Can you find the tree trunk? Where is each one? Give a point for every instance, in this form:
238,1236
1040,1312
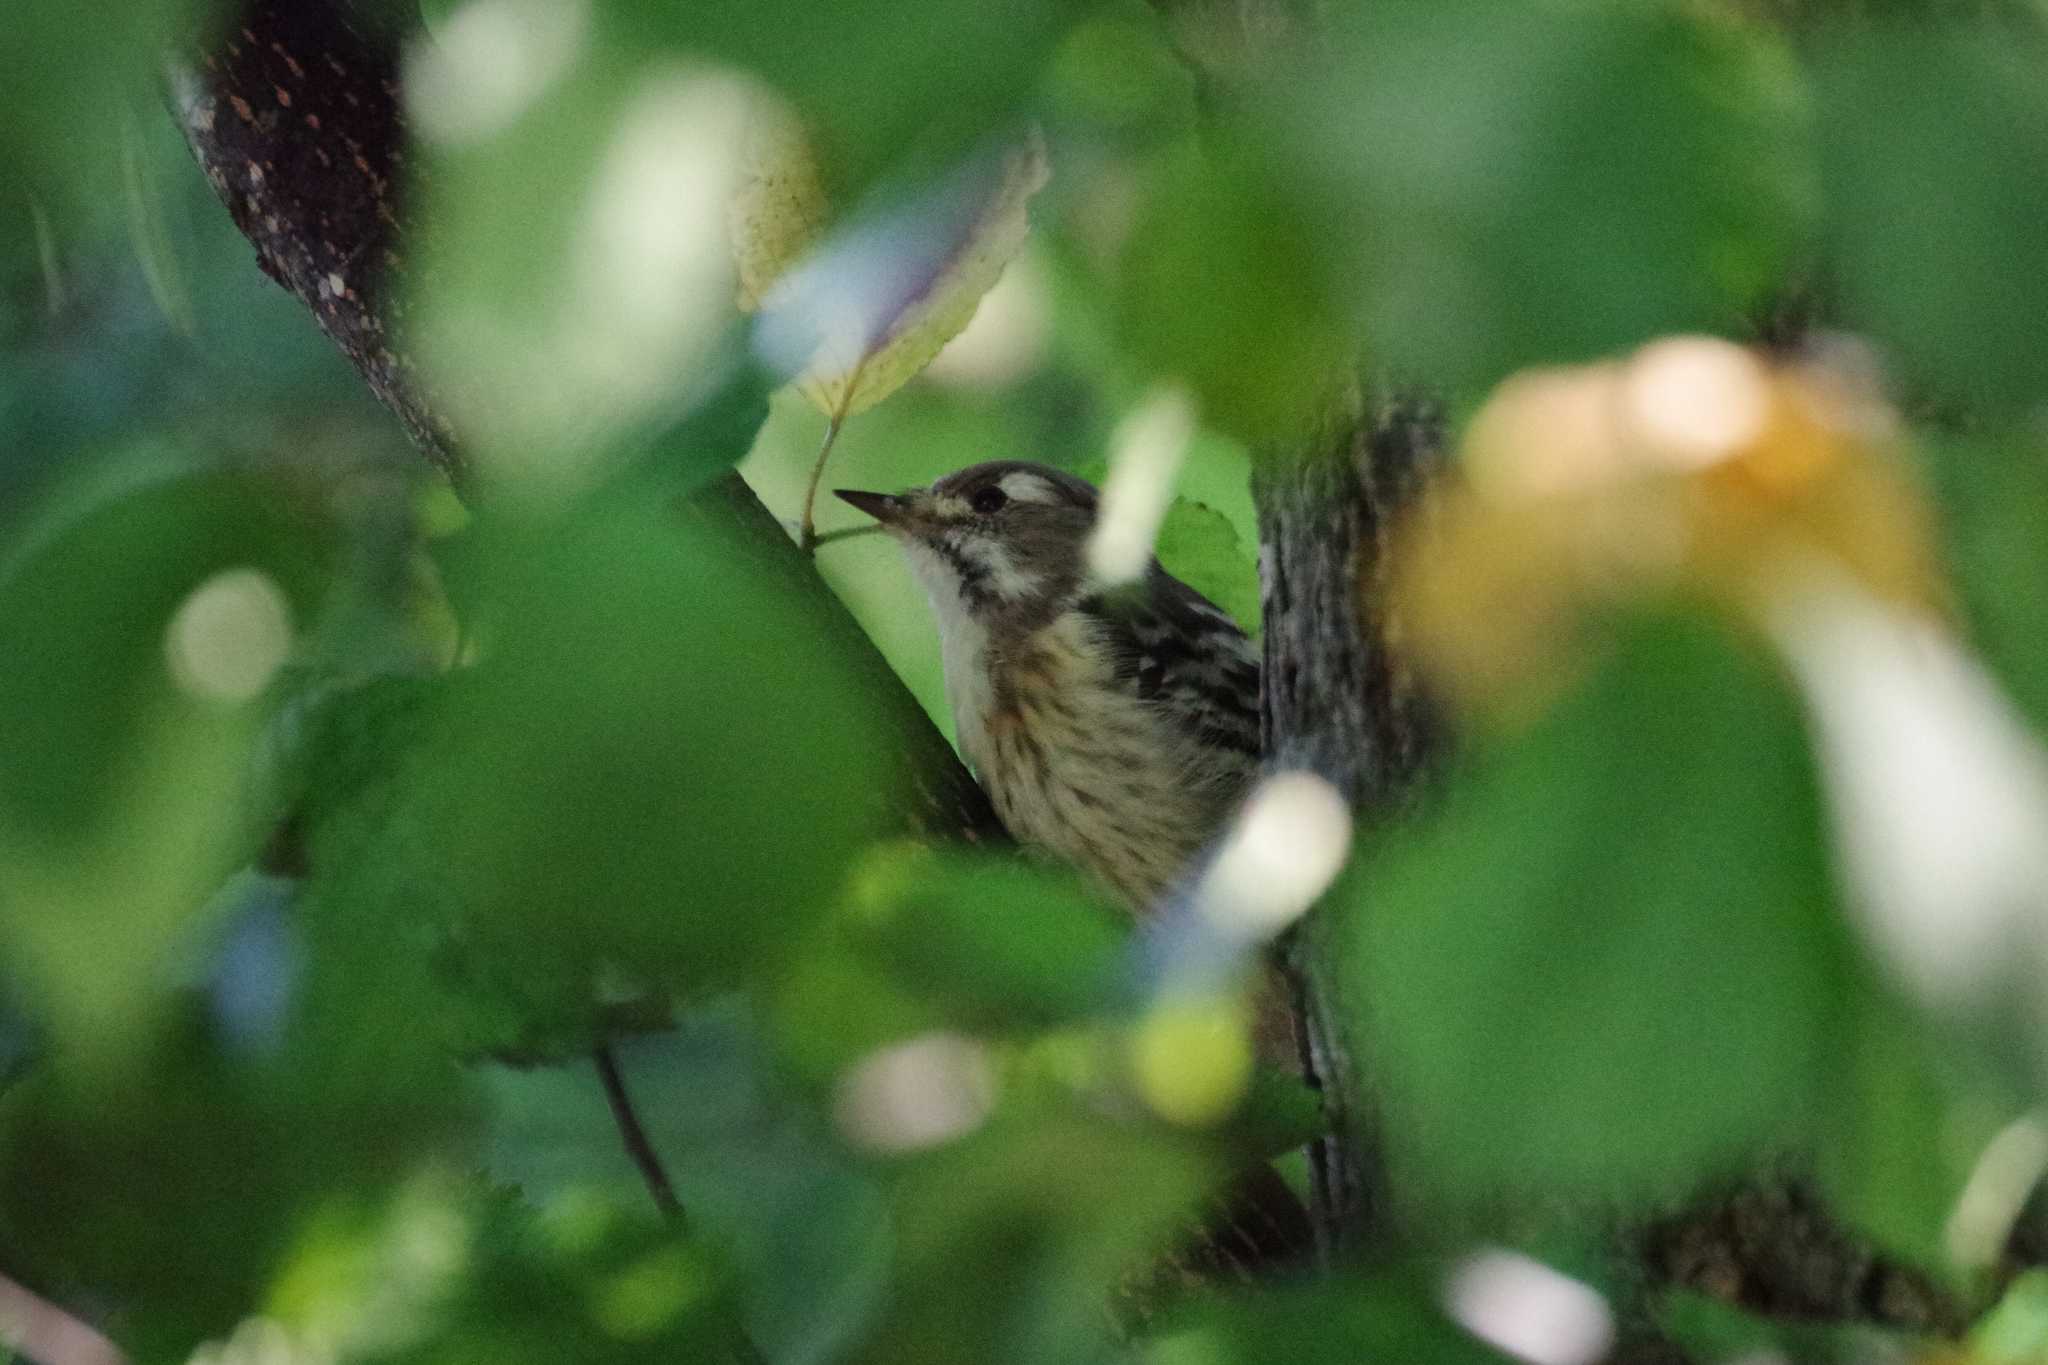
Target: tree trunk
1338,702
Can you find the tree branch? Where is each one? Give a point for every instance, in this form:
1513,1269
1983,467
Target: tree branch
294,115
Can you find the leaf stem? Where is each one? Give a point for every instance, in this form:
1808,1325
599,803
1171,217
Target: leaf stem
807,529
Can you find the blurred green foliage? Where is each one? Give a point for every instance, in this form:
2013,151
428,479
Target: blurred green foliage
1530,183
1940,229
1388,1316
77,117
299,985
1638,977
1994,499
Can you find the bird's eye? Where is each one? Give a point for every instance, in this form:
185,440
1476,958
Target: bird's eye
989,500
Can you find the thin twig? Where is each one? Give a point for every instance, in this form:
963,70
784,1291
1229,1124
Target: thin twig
846,533
807,530
635,1137
744,1351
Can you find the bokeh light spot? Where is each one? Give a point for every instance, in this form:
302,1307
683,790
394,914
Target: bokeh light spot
1529,1310
229,636
488,63
1191,1057
1694,401
1145,459
1286,847
916,1094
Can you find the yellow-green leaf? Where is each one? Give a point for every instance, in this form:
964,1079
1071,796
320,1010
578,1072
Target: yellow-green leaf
870,308
781,211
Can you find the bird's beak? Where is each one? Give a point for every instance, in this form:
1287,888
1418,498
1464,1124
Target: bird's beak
891,509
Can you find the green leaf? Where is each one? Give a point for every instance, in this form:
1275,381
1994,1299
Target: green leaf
991,942
1390,1316
1198,545
70,113
1902,1133
576,1280
571,288
1011,1242
1224,286
657,774
805,1230
1527,183
2015,1331
1993,502
1611,961
1117,74
1280,1113
1711,1330
181,1202
717,430
832,1006
126,1199
123,780
872,78
89,580
1938,226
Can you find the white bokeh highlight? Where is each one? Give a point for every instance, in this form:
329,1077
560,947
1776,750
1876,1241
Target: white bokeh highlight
1693,401
2011,1165
1525,1308
651,265
1281,853
1937,791
38,1330
916,1094
1146,454
229,636
488,62
621,322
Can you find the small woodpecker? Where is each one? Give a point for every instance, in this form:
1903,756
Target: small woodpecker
1117,728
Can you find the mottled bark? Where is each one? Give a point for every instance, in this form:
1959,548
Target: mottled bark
1339,702
294,114
1774,1248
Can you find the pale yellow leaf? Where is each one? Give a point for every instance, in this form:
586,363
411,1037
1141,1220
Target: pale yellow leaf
874,306
780,211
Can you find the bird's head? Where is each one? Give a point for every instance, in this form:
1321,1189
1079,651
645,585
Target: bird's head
1003,544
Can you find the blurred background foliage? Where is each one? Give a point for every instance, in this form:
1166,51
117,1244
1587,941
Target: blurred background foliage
339,820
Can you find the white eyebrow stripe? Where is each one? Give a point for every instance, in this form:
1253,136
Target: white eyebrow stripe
1023,487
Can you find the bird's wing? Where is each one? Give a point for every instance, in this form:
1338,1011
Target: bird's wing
1178,650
